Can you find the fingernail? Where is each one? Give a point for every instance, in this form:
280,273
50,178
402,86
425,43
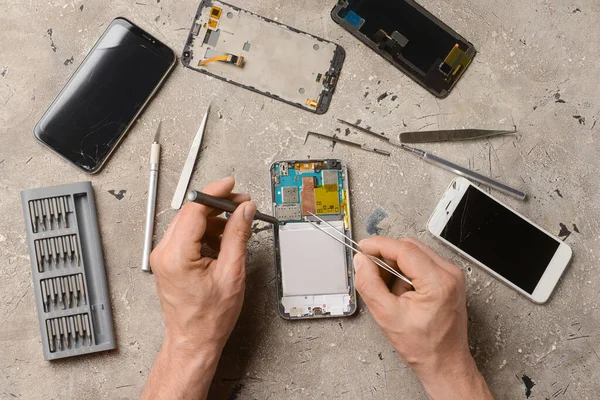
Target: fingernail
227,178
357,263
249,212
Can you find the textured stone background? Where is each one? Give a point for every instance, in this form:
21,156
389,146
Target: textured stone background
537,67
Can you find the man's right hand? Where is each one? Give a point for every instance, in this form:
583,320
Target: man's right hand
427,327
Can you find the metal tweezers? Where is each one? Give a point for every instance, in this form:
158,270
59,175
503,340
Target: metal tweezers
356,249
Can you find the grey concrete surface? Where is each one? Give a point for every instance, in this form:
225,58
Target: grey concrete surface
537,66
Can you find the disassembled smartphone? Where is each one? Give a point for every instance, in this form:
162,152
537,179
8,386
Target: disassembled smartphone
314,272
264,56
504,243
411,38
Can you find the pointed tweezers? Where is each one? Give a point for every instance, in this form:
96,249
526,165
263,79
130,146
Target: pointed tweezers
357,249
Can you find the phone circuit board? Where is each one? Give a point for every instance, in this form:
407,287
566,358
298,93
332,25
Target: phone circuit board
315,187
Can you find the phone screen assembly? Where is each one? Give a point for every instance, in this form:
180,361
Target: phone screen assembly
105,95
314,272
409,37
501,241
264,56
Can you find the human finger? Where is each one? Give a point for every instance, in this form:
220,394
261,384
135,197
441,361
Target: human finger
235,238
412,261
192,220
238,198
370,285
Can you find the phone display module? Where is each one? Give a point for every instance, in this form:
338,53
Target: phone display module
314,272
105,95
409,37
264,56
500,239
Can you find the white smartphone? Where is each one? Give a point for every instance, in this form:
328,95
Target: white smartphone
501,241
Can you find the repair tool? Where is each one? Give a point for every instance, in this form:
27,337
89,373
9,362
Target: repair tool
467,173
336,139
225,205
188,167
67,269
356,249
152,186
447,135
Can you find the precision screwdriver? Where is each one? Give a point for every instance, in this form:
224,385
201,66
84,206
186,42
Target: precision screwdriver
225,205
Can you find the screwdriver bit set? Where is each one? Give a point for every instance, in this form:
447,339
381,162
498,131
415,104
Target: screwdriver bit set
68,270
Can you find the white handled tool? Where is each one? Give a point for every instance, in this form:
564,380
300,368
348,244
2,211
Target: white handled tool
152,186
188,167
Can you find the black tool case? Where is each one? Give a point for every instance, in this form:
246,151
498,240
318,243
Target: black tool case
67,269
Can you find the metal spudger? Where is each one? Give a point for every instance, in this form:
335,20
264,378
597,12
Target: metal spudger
467,173
188,167
225,205
380,263
347,142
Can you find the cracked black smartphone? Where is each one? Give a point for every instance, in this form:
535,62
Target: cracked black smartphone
105,95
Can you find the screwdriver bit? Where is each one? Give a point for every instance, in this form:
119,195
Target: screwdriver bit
78,288
71,322
76,248
65,333
63,211
50,337
63,239
48,246
51,212
55,210
55,248
73,285
58,329
46,211
88,328
69,247
82,287
46,251
32,217
61,250
80,325
44,295
40,213
38,256
67,291
59,294
52,291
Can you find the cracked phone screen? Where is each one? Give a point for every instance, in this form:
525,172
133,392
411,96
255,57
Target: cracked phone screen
500,239
102,98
